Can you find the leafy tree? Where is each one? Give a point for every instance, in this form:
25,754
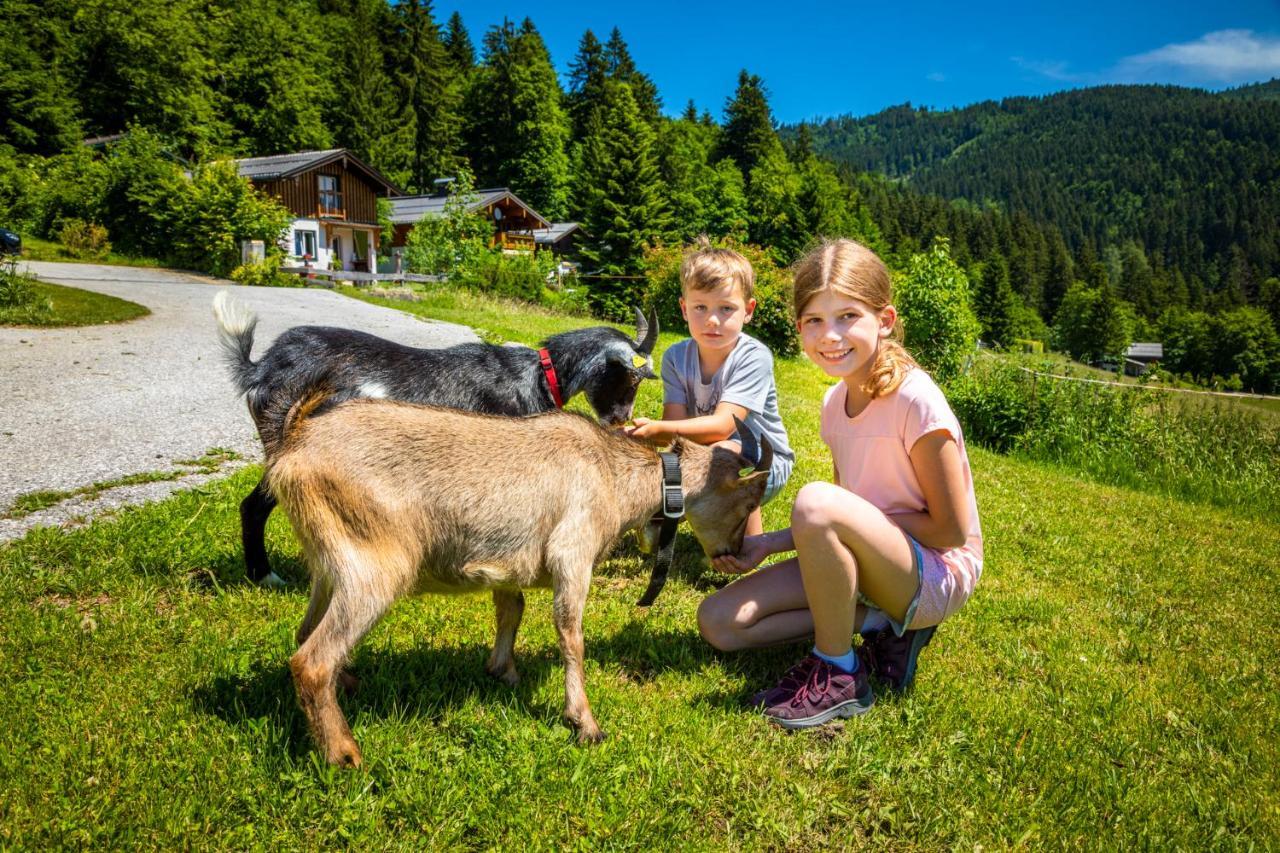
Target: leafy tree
38,113
217,210
1092,324
1245,344
705,198
454,243
938,322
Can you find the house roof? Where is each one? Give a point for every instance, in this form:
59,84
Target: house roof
279,166
408,209
556,232
1155,351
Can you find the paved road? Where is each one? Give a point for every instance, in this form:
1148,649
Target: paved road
83,405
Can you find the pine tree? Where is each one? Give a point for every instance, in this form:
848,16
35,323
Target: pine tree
995,303
588,73
457,45
749,136
622,68
625,213
432,96
516,129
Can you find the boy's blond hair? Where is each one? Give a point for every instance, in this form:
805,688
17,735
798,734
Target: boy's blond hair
851,269
706,268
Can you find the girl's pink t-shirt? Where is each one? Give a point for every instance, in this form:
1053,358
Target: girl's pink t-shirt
872,456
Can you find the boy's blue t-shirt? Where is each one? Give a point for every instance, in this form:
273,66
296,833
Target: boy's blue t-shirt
745,379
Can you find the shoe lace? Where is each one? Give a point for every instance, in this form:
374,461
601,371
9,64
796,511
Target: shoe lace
816,686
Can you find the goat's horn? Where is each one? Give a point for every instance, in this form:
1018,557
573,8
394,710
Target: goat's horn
750,449
646,331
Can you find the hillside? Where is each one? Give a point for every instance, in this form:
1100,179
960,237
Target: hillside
1190,175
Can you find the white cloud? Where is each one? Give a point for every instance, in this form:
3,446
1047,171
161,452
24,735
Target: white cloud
1223,56
936,77
1051,68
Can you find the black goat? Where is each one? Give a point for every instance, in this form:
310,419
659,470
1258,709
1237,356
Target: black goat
600,362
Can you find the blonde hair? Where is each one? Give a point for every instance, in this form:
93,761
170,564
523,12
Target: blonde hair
706,268
851,269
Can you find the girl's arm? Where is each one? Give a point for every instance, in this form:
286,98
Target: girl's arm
940,471
706,429
754,551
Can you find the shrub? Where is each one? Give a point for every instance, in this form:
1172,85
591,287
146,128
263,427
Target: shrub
516,276
84,239
455,243
773,323
992,406
217,210
1028,346
265,273
934,301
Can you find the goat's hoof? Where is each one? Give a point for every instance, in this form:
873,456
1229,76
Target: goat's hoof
591,736
346,755
506,674
349,683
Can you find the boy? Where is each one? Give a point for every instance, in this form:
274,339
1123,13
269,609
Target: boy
719,372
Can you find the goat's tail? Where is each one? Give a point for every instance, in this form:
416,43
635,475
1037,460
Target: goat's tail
235,332
294,419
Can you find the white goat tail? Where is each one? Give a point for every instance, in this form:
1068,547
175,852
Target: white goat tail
235,332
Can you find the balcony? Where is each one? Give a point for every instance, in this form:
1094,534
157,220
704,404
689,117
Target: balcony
331,206
513,241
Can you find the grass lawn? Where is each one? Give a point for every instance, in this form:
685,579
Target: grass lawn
1113,683
72,306
39,249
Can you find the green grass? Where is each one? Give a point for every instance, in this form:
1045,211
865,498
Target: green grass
39,249
1112,684
30,502
72,306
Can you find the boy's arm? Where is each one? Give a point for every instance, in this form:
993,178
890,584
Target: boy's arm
706,429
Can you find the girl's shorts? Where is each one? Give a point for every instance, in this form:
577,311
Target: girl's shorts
942,591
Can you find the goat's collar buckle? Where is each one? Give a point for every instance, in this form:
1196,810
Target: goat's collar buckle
672,493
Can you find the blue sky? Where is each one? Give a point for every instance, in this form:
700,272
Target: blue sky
822,59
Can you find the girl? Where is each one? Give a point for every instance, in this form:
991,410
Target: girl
895,547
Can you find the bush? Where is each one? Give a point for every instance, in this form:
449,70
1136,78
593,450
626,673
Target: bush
992,406
516,276
265,273
933,300
84,239
217,210
1028,346
773,323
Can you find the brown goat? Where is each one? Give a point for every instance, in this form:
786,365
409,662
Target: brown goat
390,499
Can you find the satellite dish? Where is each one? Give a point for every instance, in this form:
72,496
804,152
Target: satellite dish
497,214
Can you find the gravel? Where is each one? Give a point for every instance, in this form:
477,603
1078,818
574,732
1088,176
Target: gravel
90,404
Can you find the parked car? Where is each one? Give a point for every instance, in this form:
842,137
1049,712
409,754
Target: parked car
10,243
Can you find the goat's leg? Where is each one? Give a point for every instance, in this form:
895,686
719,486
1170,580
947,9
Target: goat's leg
255,509
321,593
502,663
569,599
317,665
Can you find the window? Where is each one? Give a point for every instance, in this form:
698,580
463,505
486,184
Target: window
330,193
304,243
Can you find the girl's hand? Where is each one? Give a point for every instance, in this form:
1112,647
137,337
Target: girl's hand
754,550
654,432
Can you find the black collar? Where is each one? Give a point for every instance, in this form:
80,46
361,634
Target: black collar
672,512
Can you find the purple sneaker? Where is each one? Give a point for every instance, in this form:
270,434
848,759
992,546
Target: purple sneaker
792,681
828,693
891,658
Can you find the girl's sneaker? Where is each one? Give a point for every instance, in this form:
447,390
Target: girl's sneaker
792,681
827,693
891,658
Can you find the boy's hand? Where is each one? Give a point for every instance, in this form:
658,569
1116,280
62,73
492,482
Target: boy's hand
754,550
654,432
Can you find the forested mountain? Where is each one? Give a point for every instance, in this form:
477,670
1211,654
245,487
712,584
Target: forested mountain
1188,177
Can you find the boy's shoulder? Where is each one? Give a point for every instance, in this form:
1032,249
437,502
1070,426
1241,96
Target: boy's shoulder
749,348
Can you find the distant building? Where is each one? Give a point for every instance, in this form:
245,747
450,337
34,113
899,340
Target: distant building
333,196
1139,358
514,222
561,238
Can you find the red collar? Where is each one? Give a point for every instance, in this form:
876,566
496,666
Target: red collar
549,370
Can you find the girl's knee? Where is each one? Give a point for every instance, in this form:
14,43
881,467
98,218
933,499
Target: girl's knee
720,622
814,505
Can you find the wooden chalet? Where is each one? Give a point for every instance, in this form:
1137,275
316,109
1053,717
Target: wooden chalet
333,197
514,222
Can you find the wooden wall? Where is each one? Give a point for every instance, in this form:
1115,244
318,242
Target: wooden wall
301,194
